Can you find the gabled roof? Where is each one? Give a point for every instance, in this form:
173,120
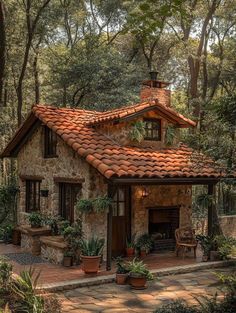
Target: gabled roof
138,109
108,157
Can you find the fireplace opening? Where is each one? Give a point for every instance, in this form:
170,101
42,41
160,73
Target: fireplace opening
163,221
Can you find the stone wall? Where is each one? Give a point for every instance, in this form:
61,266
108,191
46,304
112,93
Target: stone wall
68,164
165,195
227,223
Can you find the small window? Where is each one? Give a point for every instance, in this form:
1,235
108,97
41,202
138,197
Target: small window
68,195
50,143
118,203
152,129
32,195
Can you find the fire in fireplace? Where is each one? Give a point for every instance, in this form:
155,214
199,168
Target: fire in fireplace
163,221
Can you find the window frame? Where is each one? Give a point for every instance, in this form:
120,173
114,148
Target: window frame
157,121
116,202
50,143
31,189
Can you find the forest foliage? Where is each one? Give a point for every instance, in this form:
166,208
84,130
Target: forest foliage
95,53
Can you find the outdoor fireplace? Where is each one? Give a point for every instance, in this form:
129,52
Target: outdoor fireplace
163,221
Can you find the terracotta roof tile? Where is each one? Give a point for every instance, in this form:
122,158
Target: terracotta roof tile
114,160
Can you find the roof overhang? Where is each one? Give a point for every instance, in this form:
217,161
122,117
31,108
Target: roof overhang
166,181
21,136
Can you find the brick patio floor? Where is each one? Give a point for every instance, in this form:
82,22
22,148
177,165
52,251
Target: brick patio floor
51,273
111,298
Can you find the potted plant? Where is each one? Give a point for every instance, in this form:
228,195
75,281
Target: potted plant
144,244
68,258
138,274
16,236
121,272
35,219
52,221
91,251
206,246
7,234
130,246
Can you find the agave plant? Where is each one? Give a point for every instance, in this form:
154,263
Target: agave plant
25,288
92,247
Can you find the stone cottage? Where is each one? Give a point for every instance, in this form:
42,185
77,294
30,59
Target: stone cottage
66,154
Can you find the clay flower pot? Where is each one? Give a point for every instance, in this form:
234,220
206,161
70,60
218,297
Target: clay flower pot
143,253
90,264
204,258
67,261
16,237
121,279
137,282
129,252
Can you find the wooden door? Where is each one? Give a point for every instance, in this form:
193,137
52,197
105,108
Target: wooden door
68,194
120,220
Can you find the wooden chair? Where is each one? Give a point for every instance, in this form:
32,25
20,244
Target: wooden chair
185,240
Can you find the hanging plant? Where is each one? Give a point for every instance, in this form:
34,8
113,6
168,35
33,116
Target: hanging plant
98,205
170,135
85,206
137,131
101,204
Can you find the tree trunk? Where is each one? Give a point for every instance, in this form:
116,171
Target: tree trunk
2,49
36,79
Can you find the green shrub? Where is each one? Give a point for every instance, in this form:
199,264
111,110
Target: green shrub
36,219
144,242
6,233
5,273
177,306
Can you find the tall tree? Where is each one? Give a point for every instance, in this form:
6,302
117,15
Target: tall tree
32,19
2,49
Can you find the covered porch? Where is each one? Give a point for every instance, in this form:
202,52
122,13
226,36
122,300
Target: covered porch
153,206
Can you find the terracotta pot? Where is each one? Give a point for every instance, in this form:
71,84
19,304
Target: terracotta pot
67,261
121,279
204,258
16,237
214,256
143,253
137,282
90,264
129,252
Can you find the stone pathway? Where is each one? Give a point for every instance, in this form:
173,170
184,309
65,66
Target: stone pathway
111,298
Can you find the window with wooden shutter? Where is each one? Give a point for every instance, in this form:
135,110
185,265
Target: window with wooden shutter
32,195
50,143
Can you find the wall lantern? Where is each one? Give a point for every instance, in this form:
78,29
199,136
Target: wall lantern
145,192
44,193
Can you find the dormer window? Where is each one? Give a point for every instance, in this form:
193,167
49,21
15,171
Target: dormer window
152,129
50,143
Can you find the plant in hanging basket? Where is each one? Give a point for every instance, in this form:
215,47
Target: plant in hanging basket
101,204
85,206
91,251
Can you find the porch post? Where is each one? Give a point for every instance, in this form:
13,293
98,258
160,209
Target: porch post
210,211
109,230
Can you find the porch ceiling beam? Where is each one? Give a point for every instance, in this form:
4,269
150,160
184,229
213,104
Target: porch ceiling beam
165,181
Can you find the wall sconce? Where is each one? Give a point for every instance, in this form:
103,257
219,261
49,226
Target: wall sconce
44,193
145,192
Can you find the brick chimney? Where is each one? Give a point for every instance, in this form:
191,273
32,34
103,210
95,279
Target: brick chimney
154,89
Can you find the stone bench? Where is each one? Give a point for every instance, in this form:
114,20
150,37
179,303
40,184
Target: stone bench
30,238
52,248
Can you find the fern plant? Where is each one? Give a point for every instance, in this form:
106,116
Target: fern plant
170,135
137,131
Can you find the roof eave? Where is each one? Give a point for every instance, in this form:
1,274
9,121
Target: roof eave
20,137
